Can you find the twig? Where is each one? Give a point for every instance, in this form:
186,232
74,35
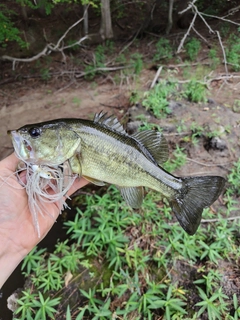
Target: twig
156,77
187,133
200,15
200,36
130,43
220,18
14,60
173,66
48,49
229,76
82,74
187,33
218,219
188,7
233,11
223,51
208,164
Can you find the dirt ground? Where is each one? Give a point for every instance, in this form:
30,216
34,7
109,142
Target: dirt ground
26,98
22,104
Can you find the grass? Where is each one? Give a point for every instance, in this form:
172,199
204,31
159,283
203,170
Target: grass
193,47
130,264
232,52
122,263
157,99
137,250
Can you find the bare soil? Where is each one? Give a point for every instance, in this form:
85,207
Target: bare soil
23,104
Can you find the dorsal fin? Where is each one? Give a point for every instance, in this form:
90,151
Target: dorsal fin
108,121
155,143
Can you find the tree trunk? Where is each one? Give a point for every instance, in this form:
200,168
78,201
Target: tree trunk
85,20
170,19
106,31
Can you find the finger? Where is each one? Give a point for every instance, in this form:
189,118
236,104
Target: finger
10,162
78,183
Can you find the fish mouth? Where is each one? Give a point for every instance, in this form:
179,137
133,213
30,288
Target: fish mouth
21,146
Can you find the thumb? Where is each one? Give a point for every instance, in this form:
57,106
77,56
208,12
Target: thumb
10,162
78,183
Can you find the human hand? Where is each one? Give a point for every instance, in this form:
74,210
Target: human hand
17,233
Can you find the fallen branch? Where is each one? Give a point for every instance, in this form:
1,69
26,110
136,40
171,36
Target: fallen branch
218,219
48,49
83,74
208,164
223,51
187,33
201,16
156,77
220,18
73,73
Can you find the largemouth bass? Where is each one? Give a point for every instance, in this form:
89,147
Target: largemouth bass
102,152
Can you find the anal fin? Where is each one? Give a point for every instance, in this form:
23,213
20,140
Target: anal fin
132,195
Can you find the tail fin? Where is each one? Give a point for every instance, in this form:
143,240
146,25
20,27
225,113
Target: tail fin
195,194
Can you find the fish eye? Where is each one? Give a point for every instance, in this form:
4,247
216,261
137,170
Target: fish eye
34,132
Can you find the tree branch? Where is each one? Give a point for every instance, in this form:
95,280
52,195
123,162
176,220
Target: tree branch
48,49
186,34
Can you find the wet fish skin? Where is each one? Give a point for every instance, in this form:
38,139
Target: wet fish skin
102,152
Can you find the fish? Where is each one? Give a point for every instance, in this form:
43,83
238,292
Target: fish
102,152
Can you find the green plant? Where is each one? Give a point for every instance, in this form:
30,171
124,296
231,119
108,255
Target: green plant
211,281
164,50
213,305
233,178
214,58
100,233
236,105
193,47
177,160
195,91
76,101
224,29
134,97
121,59
35,304
133,257
32,260
98,62
146,125
47,278
8,32
170,303
233,52
45,74
236,306
211,251
25,304
46,4
156,99
137,62
66,258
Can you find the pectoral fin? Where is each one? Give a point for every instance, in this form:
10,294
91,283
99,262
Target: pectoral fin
133,196
94,181
75,164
